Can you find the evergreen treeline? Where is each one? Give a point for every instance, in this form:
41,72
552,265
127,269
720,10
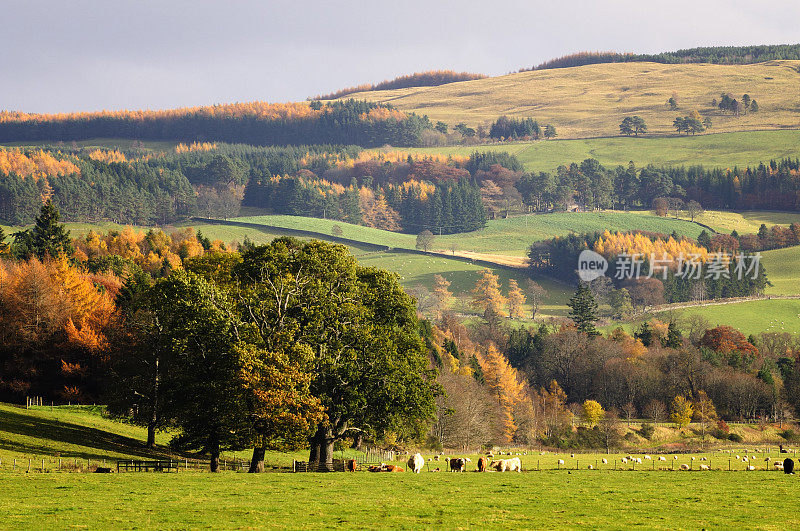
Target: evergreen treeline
431,78
340,122
452,208
709,54
772,186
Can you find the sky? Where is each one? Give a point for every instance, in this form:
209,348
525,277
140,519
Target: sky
81,55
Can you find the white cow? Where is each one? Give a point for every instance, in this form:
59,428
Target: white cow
416,462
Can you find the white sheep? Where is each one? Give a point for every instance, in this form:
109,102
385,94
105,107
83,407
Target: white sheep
751,467
737,457
591,467
704,459
604,461
662,458
623,460
684,466
648,457
675,457
744,459
639,460
704,467
692,458
560,461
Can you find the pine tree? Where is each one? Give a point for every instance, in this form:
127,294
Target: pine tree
516,298
584,310
48,237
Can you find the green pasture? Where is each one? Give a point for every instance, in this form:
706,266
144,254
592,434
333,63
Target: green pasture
722,150
653,494
552,499
783,270
510,236
752,317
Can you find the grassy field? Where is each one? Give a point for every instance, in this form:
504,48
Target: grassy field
721,150
783,270
511,236
655,494
747,222
753,317
590,101
555,499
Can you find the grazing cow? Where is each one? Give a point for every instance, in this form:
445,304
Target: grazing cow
509,465
415,463
483,462
458,464
788,466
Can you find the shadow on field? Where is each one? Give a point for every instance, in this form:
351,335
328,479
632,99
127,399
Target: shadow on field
69,434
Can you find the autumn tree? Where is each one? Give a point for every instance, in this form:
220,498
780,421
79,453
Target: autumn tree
681,411
516,298
592,412
502,380
369,365
441,292
704,411
486,294
655,410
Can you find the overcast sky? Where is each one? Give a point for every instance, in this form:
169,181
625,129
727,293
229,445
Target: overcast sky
63,55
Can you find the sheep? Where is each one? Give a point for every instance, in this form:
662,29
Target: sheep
744,459
778,465
623,460
560,461
675,457
572,455
638,460
648,457
590,467
684,466
751,467
604,461
704,467
662,458
692,458
704,459
737,457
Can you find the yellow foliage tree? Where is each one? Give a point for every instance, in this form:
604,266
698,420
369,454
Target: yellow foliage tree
516,298
486,294
502,379
681,411
593,412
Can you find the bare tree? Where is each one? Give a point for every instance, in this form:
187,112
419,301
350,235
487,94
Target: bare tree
694,209
536,294
425,240
655,410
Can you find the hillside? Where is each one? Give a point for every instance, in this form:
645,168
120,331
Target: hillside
590,101
717,150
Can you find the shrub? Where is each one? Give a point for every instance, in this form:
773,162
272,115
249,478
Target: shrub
647,430
735,437
789,435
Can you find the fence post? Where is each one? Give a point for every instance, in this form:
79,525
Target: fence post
29,464
88,464
42,465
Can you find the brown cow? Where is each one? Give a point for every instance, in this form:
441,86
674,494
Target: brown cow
483,463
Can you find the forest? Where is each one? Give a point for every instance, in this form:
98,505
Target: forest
256,123
431,78
708,54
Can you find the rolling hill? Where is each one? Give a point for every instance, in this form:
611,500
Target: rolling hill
590,101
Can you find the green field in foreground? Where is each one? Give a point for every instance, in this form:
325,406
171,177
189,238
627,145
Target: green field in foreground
554,499
722,150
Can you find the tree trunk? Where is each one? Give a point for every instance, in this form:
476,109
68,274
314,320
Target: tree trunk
358,440
321,455
257,462
151,434
213,448
153,422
